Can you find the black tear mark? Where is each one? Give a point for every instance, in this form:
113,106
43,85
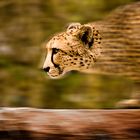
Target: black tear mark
56,65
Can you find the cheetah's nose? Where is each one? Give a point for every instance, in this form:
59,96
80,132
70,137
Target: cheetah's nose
46,69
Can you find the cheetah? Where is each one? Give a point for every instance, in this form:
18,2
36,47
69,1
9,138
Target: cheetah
110,46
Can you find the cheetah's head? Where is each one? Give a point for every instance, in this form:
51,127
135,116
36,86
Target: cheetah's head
75,49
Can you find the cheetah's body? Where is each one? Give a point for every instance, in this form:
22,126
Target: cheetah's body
81,48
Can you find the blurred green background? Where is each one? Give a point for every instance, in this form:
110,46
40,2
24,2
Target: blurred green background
25,27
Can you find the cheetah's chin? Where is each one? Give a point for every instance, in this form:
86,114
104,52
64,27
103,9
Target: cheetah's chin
56,76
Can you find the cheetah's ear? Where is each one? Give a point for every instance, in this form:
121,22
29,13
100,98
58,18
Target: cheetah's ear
72,26
86,35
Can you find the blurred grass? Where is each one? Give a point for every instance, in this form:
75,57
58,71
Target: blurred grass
24,28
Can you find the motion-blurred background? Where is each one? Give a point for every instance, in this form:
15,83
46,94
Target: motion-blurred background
25,27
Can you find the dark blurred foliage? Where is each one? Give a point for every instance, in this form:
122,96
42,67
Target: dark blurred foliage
24,28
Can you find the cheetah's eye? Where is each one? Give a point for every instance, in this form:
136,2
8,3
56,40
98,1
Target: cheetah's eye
55,50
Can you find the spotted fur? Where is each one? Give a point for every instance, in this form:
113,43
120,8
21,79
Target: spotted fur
77,49
111,46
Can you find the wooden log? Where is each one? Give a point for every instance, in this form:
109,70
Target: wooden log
49,124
